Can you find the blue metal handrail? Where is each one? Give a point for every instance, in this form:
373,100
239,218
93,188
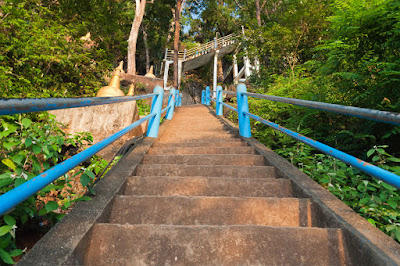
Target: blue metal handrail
229,92
17,195
376,115
230,107
19,106
244,127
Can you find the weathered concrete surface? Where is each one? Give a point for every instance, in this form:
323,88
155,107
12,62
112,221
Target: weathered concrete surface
137,80
230,159
208,186
102,121
235,143
214,245
287,212
203,150
206,171
64,243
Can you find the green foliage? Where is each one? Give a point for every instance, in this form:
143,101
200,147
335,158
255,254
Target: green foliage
31,144
373,199
42,57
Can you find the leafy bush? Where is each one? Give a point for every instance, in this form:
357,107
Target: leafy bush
31,144
375,200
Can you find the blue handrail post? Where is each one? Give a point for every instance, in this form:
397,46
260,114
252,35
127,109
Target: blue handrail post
243,107
219,108
180,99
156,106
171,104
203,97
208,95
176,97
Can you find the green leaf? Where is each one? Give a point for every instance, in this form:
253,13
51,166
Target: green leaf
42,212
85,180
19,181
51,206
84,198
9,163
36,149
28,142
370,152
10,145
371,221
26,122
9,220
5,175
18,158
393,159
5,229
6,257
90,174
392,204
15,252
6,182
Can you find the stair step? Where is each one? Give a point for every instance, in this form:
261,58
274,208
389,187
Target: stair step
197,135
208,186
206,171
224,143
289,212
202,150
237,159
113,244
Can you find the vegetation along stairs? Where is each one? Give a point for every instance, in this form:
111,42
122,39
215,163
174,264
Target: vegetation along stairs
202,195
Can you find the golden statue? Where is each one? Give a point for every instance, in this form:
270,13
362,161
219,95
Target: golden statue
150,74
131,91
113,89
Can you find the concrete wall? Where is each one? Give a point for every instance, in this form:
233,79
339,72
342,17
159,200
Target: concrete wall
149,83
102,121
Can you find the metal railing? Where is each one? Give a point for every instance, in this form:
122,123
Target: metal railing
17,195
245,130
211,45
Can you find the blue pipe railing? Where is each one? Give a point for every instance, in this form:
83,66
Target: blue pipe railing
244,127
19,106
17,195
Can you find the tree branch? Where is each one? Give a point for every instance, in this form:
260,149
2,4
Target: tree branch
241,7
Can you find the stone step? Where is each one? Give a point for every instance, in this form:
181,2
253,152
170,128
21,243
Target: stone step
202,150
289,212
205,135
206,171
113,244
237,159
208,186
223,143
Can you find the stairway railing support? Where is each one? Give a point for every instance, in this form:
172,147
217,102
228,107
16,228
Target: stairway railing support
203,97
208,95
171,104
243,108
219,107
156,106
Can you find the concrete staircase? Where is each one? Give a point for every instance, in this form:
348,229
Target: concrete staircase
202,196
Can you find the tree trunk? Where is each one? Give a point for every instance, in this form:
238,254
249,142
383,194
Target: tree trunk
176,42
146,48
139,13
258,12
